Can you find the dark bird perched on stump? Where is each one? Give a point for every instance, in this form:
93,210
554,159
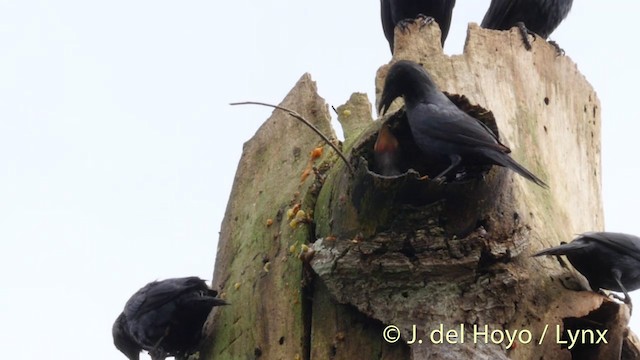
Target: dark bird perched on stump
608,260
387,152
538,16
394,12
440,128
165,318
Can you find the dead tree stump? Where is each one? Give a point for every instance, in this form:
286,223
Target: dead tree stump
447,266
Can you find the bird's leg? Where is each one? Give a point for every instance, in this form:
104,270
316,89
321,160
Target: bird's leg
156,353
559,50
524,32
627,299
166,332
455,161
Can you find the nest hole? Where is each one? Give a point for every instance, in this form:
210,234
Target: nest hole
411,157
379,199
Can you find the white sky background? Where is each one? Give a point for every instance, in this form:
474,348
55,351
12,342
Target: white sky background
118,147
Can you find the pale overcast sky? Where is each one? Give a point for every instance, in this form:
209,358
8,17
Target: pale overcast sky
118,147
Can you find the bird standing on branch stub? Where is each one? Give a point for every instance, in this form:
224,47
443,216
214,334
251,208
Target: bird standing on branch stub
400,12
532,17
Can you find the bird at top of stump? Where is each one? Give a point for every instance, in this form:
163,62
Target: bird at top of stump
397,12
165,318
608,260
541,17
439,128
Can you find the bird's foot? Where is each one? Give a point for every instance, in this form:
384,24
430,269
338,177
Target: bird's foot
626,300
439,180
424,20
612,295
187,356
157,354
524,32
404,24
559,50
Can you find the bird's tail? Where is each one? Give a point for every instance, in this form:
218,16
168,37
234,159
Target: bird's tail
562,249
506,161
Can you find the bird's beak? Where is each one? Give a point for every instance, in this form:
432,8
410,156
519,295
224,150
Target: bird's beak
385,100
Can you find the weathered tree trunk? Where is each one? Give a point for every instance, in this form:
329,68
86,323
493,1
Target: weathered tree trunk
409,253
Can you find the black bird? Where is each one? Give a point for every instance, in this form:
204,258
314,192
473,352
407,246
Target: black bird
538,16
608,260
440,128
387,153
395,11
165,318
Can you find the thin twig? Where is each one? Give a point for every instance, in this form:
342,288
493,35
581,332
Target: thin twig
310,125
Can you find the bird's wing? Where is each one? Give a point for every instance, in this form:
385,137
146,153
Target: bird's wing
158,293
500,13
446,12
448,123
446,8
624,243
387,21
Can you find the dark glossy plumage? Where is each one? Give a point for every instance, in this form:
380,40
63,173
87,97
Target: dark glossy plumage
395,11
540,16
123,340
165,318
439,127
608,260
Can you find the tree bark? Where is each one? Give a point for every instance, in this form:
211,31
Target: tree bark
257,267
446,262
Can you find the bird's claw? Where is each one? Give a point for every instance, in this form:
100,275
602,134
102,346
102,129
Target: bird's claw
424,20
404,24
439,180
626,299
524,32
559,50
612,295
